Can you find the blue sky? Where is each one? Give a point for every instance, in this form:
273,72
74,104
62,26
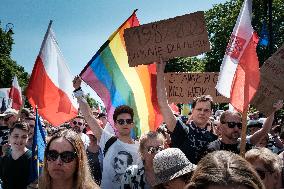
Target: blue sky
81,27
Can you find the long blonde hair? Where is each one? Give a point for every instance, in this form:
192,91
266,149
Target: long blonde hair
82,176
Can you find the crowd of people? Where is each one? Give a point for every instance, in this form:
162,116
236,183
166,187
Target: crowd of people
199,151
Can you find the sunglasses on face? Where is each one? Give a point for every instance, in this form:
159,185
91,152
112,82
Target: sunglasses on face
154,149
234,124
261,173
79,123
66,156
124,121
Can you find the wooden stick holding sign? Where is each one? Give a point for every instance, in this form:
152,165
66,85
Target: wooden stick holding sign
244,133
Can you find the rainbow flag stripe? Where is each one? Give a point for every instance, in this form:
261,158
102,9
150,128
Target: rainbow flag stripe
109,74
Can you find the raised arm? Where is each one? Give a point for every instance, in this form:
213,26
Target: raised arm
86,110
267,124
166,111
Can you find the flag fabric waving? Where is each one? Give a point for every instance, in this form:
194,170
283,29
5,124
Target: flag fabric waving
50,87
16,94
239,73
38,148
109,74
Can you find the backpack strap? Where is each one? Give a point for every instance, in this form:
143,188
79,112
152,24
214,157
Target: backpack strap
110,141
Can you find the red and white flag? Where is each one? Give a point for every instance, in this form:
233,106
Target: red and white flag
50,87
239,73
16,95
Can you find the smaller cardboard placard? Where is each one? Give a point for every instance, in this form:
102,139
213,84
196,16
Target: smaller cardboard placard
183,87
182,36
271,86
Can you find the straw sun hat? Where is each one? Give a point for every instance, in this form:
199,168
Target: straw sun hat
170,164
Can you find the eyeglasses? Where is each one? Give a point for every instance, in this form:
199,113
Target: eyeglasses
65,156
261,173
234,124
124,121
154,149
79,123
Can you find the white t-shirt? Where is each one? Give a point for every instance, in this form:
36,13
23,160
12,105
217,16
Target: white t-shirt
119,156
85,139
109,128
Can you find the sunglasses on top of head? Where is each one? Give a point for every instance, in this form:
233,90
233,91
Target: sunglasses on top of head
77,122
66,156
124,121
154,149
234,124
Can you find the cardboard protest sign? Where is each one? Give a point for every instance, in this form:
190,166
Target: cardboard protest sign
181,36
183,87
271,86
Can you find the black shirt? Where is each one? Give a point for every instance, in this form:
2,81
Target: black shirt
219,145
15,173
94,163
191,140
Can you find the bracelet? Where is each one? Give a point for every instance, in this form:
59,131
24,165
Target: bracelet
77,89
78,93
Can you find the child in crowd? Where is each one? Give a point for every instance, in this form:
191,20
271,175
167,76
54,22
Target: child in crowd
15,166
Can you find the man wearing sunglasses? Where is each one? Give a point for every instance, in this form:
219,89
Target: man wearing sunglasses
121,151
231,127
77,125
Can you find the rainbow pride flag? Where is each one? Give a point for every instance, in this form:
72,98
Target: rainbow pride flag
109,74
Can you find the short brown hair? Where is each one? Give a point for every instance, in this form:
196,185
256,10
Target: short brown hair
225,114
202,98
20,125
122,109
224,168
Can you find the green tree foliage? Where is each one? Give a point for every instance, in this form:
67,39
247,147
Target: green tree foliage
188,64
8,67
93,103
221,20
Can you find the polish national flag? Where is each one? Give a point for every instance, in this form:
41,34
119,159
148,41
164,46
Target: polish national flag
50,87
16,94
239,73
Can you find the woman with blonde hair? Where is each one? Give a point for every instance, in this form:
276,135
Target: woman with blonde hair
65,163
224,170
142,176
267,165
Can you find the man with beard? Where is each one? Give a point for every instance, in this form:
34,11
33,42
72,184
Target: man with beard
231,127
78,124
